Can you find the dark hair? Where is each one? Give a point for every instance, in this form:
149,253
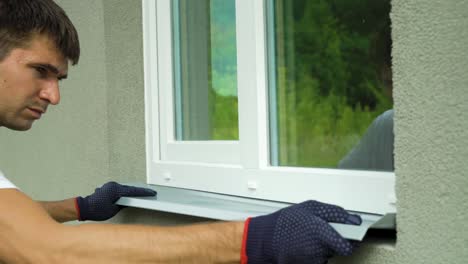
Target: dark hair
20,20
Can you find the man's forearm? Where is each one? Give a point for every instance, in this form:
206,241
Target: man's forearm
61,211
202,243
31,236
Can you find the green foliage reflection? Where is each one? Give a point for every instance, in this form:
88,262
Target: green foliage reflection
333,76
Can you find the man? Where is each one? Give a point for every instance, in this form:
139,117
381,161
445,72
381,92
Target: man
37,41
22,105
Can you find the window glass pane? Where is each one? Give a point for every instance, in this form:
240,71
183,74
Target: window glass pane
330,84
205,70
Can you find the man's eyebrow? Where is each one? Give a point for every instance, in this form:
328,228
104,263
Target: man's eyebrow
50,68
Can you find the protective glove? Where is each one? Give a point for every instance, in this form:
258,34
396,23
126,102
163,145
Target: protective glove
101,206
297,234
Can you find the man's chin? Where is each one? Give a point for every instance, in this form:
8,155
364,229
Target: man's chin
20,127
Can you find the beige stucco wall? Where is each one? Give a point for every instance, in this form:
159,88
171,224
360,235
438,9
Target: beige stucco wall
97,132
431,124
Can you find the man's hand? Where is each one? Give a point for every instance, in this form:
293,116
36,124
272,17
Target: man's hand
101,206
297,234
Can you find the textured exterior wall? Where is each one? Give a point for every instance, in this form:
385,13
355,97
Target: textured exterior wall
97,133
124,66
430,64
431,124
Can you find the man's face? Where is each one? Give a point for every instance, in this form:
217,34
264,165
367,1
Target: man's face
29,79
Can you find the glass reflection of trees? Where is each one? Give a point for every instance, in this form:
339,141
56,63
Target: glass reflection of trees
332,75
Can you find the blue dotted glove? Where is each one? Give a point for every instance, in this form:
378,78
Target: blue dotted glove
297,234
101,206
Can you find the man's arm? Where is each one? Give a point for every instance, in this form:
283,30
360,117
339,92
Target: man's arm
30,235
61,211
296,234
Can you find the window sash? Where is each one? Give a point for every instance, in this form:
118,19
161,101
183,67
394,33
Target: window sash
171,149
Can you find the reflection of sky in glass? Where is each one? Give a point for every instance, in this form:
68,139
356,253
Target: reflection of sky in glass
223,47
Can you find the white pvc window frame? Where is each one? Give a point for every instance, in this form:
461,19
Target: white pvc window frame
242,167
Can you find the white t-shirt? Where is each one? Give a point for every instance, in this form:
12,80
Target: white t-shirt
5,183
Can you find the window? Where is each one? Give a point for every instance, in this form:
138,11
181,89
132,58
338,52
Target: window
327,61
204,55
279,100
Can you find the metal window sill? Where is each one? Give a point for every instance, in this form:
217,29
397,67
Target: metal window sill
232,208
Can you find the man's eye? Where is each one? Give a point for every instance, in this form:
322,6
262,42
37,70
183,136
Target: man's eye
42,73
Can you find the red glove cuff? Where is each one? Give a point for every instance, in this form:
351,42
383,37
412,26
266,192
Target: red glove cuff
77,209
244,258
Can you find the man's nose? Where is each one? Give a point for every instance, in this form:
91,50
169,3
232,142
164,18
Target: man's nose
50,92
